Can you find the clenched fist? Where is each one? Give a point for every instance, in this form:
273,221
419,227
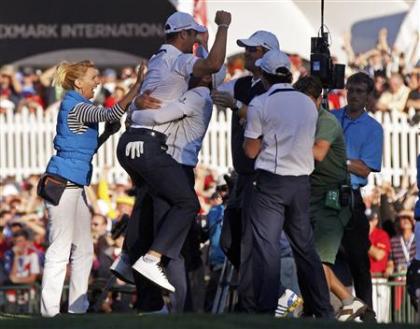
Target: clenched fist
223,17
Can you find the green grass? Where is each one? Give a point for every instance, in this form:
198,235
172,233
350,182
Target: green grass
187,321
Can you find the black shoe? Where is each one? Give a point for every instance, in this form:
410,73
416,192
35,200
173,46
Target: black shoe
368,316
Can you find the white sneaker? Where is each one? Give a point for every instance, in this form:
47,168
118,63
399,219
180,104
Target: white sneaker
287,303
153,272
352,311
121,268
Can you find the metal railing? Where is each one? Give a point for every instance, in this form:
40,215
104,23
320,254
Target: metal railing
20,299
26,299
390,298
391,301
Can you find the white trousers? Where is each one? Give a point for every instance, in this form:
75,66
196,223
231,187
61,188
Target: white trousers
70,239
381,299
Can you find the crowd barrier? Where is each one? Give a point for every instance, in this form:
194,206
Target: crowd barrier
391,301
25,299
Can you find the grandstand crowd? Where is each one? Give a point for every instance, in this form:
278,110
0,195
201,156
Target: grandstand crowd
397,85
23,220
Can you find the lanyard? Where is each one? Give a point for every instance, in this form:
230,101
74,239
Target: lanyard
406,247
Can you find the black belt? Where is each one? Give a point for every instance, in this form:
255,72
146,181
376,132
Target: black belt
148,132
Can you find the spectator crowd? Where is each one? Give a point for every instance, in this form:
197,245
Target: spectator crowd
397,85
23,235
23,221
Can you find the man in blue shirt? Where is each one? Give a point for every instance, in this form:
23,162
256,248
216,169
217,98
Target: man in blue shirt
364,139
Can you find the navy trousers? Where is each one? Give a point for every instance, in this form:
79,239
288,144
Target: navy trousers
165,179
141,229
282,202
356,254
236,239
149,212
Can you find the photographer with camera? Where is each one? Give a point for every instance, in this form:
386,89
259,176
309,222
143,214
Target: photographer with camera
280,135
364,139
329,206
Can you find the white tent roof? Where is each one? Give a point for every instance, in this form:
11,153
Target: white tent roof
408,39
295,22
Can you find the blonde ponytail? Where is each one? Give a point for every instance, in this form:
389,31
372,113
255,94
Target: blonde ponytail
67,73
60,74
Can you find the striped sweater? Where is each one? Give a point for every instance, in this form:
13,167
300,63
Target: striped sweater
83,114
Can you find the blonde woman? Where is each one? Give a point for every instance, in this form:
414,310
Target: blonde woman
62,186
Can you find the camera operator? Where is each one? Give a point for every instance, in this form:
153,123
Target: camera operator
236,239
329,209
364,139
280,134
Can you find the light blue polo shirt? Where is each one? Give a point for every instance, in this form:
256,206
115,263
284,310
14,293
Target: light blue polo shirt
364,141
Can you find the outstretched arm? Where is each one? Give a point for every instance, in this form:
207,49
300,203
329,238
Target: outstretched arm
217,53
84,113
153,117
188,104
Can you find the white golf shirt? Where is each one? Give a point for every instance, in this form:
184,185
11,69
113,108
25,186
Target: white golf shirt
167,77
286,120
187,120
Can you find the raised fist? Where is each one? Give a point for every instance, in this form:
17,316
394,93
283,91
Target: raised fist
223,17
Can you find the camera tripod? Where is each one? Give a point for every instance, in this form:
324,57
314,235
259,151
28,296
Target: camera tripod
104,294
226,294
